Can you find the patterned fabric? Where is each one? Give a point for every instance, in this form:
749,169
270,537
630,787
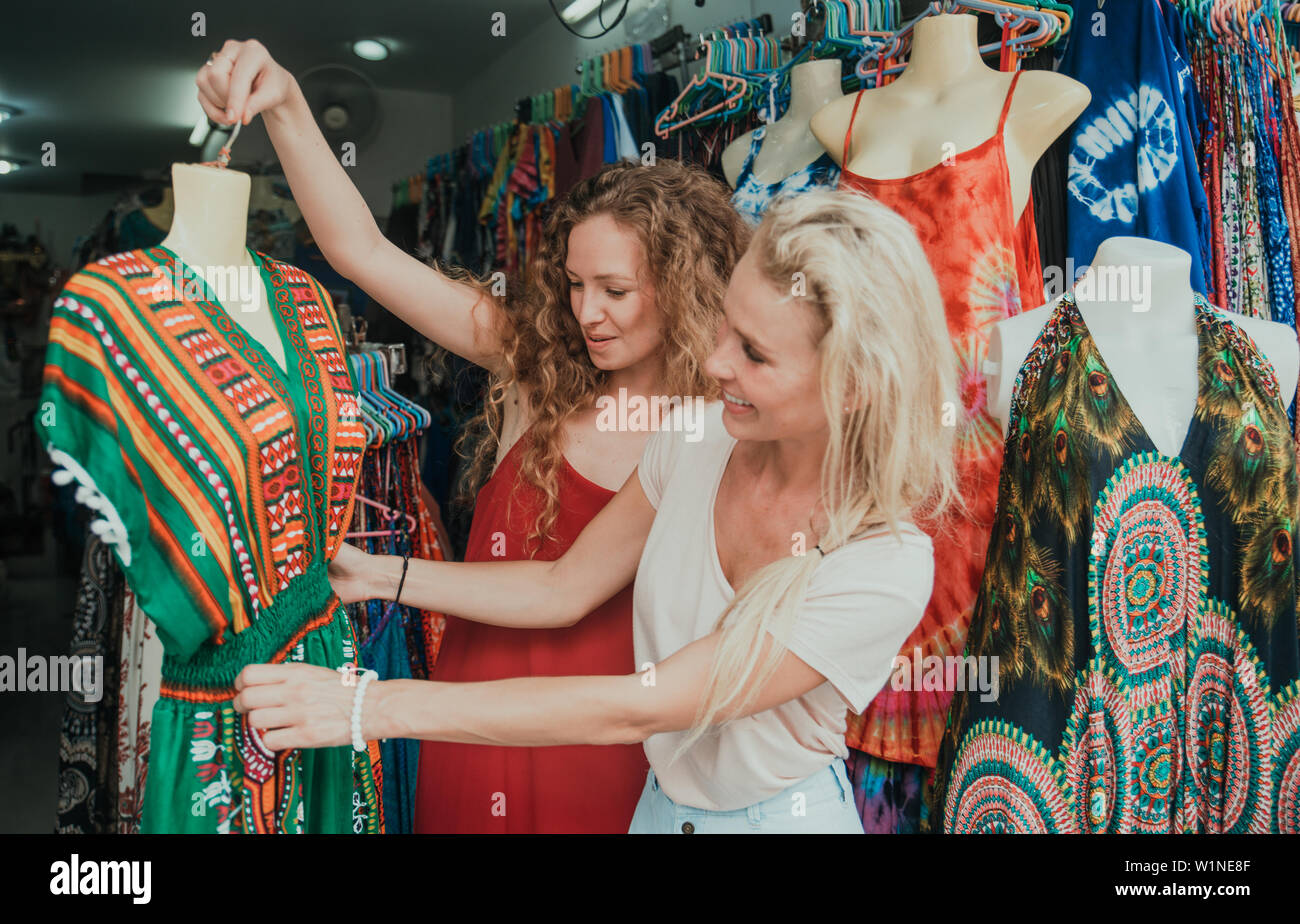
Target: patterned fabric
88,739
1133,169
751,198
224,485
1250,170
141,679
891,797
986,262
397,642
1142,608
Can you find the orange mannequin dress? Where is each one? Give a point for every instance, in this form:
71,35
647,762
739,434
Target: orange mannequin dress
987,264
485,789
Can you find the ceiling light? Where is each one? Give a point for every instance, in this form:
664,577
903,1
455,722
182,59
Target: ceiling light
370,50
579,10
8,166
7,112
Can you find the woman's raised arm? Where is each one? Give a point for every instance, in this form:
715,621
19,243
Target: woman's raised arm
243,80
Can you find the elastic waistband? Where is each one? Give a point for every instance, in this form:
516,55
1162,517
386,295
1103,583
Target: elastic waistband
307,603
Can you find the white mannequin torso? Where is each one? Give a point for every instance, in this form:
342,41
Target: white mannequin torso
208,232
947,101
1151,353
788,143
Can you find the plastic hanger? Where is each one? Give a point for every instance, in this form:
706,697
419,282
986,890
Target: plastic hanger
388,428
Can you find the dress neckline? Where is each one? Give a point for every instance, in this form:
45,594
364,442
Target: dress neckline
268,287
747,178
527,434
721,576
970,153
1200,308
286,385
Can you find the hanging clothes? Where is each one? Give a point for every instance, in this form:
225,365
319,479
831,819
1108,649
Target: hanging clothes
470,788
397,641
751,198
1141,607
624,146
139,683
224,485
88,736
986,263
1132,165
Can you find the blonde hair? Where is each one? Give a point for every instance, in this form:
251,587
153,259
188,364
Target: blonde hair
692,239
885,354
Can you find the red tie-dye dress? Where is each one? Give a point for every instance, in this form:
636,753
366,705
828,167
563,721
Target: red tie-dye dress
987,265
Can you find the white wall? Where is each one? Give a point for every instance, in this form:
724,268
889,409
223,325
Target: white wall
549,55
414,126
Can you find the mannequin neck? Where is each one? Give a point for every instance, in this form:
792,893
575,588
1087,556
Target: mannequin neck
944,48
209,226
813,84
1142,275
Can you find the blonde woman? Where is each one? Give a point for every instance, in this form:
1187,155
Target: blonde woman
623,298
777,566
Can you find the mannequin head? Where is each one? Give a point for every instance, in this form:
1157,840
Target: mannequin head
834,331
640,255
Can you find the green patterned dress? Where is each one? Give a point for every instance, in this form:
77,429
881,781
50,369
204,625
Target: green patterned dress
224,485
1142,608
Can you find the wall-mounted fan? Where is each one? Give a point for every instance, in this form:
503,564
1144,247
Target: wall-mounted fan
344,103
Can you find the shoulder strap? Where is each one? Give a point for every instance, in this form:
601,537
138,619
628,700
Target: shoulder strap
848,135
755,143
1054,334
1006,104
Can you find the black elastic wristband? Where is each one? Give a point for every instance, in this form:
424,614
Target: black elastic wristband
406,560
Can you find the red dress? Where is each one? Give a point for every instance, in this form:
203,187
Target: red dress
987,265
485,789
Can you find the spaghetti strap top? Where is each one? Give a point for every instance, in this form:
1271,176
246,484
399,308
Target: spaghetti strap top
987,266
997,134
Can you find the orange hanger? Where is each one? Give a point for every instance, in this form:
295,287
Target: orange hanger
628,74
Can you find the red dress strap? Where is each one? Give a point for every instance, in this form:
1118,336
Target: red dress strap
848,135
1006,103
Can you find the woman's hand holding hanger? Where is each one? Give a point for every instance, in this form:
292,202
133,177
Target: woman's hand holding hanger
241,81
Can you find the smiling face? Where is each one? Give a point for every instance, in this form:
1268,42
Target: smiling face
766,360
612,295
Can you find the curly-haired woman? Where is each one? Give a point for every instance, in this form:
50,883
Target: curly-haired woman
622,300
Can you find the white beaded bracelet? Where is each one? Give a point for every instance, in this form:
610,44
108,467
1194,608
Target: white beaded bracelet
359,743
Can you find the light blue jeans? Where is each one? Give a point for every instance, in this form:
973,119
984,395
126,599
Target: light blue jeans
821,804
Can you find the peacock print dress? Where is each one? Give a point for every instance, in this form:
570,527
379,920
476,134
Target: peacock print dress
1142,608
224,485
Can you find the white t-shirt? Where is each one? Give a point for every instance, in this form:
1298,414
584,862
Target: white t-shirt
863,601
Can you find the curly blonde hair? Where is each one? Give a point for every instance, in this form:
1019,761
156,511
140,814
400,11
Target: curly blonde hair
691,237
